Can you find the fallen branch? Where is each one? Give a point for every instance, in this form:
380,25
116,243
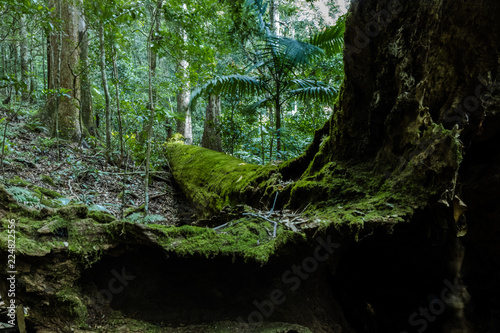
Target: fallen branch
158,196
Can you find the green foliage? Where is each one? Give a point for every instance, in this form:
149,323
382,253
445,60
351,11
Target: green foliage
23,195
46,142
331,39
140,217
35,125
274,74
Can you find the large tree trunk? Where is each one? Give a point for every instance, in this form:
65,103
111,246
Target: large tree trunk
211,133
63,63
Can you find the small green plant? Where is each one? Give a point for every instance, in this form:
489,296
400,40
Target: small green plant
24,196
46,142
140,217
34,125
48,180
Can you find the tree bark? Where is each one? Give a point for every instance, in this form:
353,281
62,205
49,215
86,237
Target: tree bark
184,126
63,62
211,134
118,110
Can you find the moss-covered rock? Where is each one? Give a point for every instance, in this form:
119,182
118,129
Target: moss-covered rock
71,212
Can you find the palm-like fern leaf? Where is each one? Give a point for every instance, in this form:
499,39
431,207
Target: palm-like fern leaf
230,85
297,52
252,107
331,39
324,94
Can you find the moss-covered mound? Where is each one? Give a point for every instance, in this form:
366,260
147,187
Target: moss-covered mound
54,246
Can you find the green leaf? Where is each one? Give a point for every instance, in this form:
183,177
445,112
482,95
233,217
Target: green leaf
331,39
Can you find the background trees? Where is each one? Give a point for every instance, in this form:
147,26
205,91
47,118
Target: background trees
268,102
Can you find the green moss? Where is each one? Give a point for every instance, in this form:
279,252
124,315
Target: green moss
25,245
212,180
101,217
72,212
248,238
69,297
17,181
48,180
87,240
47,192
132,210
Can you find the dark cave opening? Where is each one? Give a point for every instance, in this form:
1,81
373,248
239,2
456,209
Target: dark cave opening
144,284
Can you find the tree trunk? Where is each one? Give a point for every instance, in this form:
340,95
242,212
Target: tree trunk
184,126
63,61
87,111
23,39
105,87
211,134
118,110
278,126
274,17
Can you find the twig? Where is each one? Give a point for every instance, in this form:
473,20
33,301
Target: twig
71,189
158,196
259,216
272,209
130,173
265,218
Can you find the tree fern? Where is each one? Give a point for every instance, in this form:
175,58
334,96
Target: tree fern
277,60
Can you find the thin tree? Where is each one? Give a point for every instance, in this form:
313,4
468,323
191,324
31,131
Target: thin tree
86,110
118,110
151,63
105,87
23,38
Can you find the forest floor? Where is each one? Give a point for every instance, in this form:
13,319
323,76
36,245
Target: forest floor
84,175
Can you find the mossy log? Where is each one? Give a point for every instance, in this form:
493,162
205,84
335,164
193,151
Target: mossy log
213,180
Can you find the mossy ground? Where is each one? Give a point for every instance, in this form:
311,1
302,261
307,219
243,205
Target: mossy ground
248,238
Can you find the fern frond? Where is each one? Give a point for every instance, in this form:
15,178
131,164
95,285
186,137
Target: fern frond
140,217
322,94
230,85
331,39
23,195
